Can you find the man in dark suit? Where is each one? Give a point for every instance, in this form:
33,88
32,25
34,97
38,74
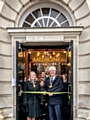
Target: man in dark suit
54,83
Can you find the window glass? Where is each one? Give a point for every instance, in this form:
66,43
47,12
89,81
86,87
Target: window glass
46,17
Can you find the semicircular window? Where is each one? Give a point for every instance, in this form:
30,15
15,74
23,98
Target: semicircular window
46,17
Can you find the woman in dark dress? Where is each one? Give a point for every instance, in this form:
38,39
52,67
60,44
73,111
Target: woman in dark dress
32,100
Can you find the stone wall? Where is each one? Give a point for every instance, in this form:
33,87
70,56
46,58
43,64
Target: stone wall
5,72
9,13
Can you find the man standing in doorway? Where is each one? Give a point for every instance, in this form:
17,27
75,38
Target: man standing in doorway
43,97
54,83
42,75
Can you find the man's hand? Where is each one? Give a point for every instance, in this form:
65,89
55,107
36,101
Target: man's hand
46,104
44,93
50,94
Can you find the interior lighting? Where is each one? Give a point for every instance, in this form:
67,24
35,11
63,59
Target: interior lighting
38,53
50,56
69,64
53,53
58,54
45,52
64,52
69,54
29,52
42,56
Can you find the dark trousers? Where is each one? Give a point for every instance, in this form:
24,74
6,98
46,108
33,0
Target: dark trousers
58,111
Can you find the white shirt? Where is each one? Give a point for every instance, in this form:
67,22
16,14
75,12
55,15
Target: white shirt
53,77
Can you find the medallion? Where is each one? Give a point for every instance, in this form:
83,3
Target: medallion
34,85
50,86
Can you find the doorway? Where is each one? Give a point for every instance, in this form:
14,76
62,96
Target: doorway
39,58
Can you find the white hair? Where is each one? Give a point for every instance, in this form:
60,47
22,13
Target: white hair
52,68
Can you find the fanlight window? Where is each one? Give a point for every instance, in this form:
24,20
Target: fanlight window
46,17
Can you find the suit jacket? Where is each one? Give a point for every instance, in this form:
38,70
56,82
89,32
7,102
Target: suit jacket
28,86
57,86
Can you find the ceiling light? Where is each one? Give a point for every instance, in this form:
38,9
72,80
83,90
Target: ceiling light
64,51
45,52
38,53
29,52
53,53
43,56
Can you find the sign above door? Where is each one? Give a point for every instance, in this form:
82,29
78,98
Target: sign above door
45,38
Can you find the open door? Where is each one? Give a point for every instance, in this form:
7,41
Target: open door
19,80
68,86
70,76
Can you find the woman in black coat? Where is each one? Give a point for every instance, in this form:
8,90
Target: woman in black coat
32,100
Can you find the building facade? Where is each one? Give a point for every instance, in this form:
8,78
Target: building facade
39,20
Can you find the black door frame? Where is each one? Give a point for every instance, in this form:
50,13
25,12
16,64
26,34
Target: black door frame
19,48
71,44
17,100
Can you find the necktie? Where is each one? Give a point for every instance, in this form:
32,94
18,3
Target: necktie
51,79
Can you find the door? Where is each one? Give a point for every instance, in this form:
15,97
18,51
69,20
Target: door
19,80
70,76
68,84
